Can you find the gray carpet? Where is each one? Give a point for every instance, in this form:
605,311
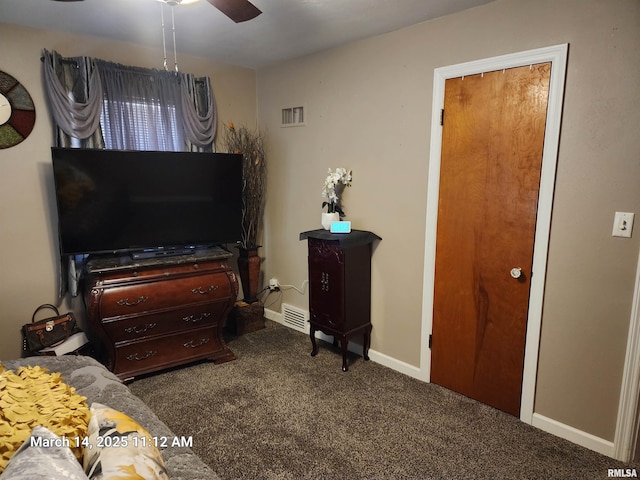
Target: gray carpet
278,413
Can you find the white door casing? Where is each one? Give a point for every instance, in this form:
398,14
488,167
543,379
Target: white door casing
557,55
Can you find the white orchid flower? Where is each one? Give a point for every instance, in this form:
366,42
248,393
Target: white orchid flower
333,186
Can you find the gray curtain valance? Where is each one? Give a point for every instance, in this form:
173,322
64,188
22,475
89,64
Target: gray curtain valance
77,87
74,93
198,111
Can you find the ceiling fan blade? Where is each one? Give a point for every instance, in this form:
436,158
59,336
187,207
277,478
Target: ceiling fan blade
236,10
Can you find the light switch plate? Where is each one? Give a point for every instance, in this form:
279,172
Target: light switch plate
623,224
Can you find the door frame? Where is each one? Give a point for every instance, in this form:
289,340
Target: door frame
557,55
628,421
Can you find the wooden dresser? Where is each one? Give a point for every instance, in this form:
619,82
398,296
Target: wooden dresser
340,287
150,314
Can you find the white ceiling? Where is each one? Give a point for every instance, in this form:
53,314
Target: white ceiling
286,29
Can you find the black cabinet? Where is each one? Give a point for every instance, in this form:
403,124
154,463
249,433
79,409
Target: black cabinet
340,287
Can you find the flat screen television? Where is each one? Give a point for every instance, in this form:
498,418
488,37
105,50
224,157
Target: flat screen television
116,201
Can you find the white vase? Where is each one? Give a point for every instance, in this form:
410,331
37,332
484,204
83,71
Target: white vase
329,218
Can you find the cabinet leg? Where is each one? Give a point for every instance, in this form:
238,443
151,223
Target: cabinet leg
312,334
367,343
344,343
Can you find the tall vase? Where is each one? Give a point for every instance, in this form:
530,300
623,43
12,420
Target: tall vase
249,270
329,218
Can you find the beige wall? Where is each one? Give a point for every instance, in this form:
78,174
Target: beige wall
28,229
368,108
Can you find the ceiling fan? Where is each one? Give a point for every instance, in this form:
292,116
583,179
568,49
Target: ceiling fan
236,10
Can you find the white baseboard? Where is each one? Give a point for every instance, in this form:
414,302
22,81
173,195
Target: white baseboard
354,347
574,435
273,315
549,425
394,364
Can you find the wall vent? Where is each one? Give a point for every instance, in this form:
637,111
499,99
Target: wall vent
295,318
292,116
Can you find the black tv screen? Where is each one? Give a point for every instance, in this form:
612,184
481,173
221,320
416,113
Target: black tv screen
112,201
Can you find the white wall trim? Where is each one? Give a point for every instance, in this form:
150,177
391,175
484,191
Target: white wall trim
273,315
393,364
354,347
558,56
574,435
549,425
627,422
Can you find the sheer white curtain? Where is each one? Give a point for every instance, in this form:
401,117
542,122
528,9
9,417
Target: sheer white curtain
145,109
141,108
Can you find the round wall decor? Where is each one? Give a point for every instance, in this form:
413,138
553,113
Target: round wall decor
17,111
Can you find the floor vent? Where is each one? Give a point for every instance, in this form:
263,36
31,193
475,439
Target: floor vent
295,318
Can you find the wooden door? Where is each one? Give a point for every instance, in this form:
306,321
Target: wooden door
492,142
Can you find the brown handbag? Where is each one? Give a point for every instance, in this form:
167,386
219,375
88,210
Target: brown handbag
49,331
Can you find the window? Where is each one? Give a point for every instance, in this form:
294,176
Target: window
141,109
137,125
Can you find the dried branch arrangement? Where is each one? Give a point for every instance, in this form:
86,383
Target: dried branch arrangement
254,178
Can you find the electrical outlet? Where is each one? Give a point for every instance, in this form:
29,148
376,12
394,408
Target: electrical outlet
274,286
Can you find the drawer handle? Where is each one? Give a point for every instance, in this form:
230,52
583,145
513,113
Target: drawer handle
192,344
201,291
199,318
148,326
126,303
135,356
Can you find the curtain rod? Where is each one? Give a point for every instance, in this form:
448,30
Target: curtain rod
122,67
65,60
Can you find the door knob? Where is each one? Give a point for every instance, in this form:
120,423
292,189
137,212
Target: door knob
516,272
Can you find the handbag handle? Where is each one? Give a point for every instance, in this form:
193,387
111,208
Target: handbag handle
46,305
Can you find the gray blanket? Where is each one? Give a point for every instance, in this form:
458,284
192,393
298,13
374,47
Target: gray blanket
92,380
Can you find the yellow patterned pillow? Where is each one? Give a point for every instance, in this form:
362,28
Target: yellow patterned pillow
119,448
30,397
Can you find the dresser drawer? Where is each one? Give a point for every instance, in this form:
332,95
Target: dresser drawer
145,315
122,329
320,319
161,352
144,297
160,273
